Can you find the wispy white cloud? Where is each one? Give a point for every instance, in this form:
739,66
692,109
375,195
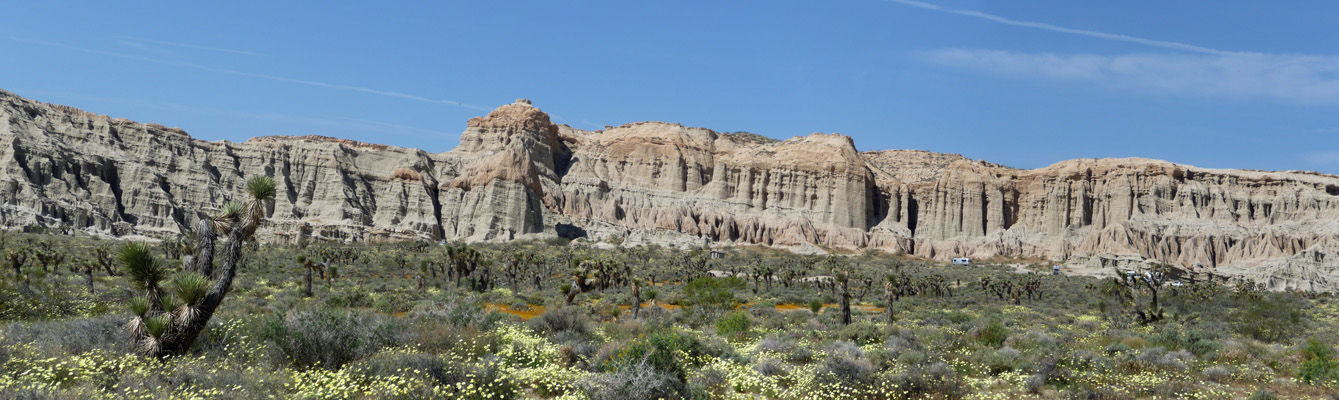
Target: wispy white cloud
147,48
1307,79
1082,32
334,86
195,46
1296,78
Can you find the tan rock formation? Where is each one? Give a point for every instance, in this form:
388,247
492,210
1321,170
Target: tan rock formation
1177,214
67,169
506,179
516,174
654,175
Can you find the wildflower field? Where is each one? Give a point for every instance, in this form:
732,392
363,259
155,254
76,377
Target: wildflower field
549,320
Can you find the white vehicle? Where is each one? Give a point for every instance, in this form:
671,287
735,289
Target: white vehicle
962,261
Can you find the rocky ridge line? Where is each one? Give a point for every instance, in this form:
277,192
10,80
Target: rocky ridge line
516,174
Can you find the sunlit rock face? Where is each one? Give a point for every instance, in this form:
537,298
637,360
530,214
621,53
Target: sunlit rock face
735,188
1182,215
516,175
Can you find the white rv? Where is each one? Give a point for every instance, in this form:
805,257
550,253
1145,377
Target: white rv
962,261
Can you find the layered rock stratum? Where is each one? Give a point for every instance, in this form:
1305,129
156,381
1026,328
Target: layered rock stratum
517,175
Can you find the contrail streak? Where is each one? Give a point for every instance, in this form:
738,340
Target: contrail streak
1081,32
350,88
194,46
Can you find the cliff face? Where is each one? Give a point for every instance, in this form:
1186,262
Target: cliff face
653,175
505,175
518,175
1192,217
68,169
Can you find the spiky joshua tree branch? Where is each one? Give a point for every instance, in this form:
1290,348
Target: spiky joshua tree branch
168,320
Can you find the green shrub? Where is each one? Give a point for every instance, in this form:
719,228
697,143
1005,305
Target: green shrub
733,326
709,383
41,300
572,320
992,334
911,357
935,381
1046,372
445,373
1218,373
348,298
330,338
1203,346
768,366
1032,340
1262,395
1160,358
632,380
846,364
958,317
1319,364
457,312
1275,318
713,293
776,343
862,333
73,336
668,351
999,361
391,303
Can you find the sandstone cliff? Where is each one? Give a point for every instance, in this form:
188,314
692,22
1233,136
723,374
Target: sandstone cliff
518,175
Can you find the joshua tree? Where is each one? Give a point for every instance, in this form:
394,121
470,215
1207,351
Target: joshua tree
426,268
636,299
1249,289
310,268
901,285
166,324
761,273
49,257
1032,287
484,278
463,260
544,269
17,257
516,264
651,296
416,246
866,283
1012,288
888,294
201,260
175,248
147,275
87,268
422,272
1132,288
401,260
104,258
844,281
325,256
580,281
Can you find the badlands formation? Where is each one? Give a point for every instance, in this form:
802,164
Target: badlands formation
517,175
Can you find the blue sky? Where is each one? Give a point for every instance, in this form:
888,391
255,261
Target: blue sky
1221,84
